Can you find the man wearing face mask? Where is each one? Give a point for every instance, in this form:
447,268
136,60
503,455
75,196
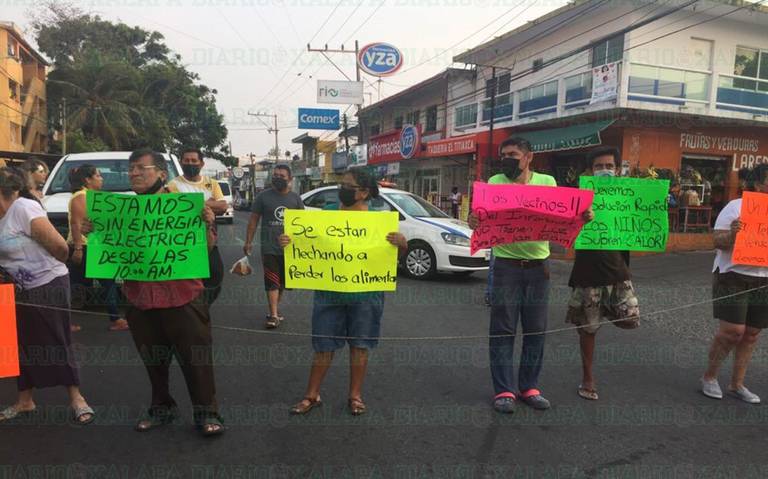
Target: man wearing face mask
193,182
519,292
601,284
271,204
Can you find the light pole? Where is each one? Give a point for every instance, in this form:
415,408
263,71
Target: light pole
270,129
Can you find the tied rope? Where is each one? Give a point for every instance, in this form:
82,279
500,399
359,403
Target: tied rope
433,338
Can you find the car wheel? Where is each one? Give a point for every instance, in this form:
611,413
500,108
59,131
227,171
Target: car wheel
420,262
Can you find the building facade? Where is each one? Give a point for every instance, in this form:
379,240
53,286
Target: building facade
681,87
23,108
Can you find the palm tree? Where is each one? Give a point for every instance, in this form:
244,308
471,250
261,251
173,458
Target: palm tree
102,96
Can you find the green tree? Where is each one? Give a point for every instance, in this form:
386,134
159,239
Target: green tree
123,86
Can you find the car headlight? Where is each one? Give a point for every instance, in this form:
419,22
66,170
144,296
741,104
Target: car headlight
458,240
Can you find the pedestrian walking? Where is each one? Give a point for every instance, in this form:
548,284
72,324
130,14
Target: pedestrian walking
356,316
193,182
172,319
32,255
269,208
602,285
455,201
81,179
743,309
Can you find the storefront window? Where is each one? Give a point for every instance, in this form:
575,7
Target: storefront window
431,118
752,63
668,82
608,51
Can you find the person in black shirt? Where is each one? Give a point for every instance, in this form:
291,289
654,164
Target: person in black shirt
602,287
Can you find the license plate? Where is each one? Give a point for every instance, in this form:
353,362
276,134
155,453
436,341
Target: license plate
488,255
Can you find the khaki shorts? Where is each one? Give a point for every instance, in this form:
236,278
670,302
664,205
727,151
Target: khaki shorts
617,303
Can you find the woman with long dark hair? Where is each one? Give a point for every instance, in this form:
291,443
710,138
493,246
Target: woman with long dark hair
32,253
81,179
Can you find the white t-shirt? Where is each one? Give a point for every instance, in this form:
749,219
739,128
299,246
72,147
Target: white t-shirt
24,258
724,258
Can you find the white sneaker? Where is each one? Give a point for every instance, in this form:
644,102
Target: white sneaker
745,395
711,389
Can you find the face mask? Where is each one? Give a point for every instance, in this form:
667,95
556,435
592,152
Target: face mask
154,188
605,173
190,171
511,168
279,183
347,196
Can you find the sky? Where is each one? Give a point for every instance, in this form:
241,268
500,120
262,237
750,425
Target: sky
253,52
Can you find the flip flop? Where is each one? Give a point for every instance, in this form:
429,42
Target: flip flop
80,412
11,412
306,405
587,393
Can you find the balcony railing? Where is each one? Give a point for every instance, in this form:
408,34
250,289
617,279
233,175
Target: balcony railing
673,86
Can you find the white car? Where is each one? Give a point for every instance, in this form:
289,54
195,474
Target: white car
113,166
436,242
229,215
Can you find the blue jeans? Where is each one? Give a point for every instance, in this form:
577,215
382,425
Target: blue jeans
518,294
489,286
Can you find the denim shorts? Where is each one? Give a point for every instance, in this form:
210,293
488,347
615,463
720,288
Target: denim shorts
353,315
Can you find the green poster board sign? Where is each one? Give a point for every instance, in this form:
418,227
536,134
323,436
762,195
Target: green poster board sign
146,237
630,214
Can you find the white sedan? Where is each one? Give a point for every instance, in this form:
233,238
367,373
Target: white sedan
436,242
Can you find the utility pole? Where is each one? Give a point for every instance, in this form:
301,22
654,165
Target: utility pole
356,51
481,175
346,136
270,129
64,126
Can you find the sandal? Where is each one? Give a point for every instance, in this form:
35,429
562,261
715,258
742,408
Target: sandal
11,412
306,405
119,325
80,413
588,393
156,417
356,406
212,426
273,321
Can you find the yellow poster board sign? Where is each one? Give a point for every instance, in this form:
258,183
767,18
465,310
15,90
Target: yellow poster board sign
345,251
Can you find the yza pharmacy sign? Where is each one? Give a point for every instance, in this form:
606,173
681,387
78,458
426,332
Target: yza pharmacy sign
380,59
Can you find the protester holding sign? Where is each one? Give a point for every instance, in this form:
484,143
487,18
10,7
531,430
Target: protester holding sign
193,182
601,284
32,252
355,315
743,311
81,179
171,318
269,208
520,293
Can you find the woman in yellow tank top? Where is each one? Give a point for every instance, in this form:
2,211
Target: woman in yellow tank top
84,178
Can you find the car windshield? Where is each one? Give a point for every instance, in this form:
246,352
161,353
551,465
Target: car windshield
415,206
225,189
114,172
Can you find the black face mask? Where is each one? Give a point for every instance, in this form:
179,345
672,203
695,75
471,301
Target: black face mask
511,167
279,183
190,171
347,196
154,188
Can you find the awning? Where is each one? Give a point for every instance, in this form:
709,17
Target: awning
567,138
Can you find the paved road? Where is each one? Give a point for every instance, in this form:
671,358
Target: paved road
429,400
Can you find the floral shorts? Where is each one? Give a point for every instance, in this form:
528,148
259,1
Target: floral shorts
617,303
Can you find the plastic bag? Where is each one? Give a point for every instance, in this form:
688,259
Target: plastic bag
242,267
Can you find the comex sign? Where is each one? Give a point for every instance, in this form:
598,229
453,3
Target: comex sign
380,59
318,119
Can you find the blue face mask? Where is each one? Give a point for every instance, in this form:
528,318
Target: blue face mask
605,173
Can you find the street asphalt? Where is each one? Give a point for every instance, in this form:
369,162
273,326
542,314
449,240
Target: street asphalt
429,400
